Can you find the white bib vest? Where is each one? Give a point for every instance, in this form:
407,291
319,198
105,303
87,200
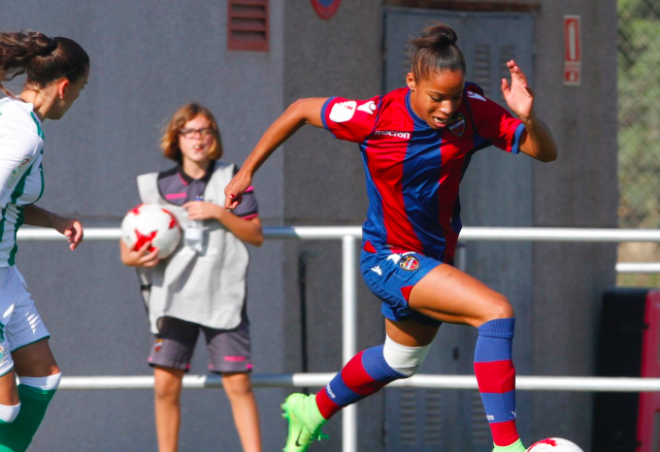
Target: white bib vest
207,288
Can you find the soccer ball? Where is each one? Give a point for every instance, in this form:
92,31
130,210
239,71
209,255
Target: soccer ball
151,223
554,445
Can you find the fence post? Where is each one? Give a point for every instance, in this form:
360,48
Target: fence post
349,333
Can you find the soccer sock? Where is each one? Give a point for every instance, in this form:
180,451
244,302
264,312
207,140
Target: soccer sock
496,376
35,394
365,374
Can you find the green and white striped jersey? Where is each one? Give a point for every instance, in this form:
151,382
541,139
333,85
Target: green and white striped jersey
21,171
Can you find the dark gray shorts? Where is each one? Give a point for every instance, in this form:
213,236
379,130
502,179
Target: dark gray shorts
229,350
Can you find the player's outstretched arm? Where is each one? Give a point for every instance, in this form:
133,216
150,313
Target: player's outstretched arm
301,112
71,228
537,142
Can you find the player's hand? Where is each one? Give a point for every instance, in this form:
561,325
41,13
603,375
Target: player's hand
200,210
518,95
71,228
141,257
235,189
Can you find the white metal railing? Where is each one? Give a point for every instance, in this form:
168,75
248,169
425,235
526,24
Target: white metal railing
349,236
312,380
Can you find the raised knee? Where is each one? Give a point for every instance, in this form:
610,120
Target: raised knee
404,359
500,308
8,413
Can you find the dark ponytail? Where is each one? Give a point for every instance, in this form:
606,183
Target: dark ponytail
436,51
42,58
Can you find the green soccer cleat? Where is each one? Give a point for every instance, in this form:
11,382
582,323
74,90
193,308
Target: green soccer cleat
305,422
515,447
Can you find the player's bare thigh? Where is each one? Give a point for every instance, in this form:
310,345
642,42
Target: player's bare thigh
35,360
410,333
8,390
449,295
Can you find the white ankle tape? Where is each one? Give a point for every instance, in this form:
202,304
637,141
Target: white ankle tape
405,360
9,412
48,383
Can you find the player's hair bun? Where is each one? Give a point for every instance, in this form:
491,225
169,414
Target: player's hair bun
42,45
43,58
436,36
436,50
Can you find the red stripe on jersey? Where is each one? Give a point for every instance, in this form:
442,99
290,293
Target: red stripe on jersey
496,377
385,164
452,156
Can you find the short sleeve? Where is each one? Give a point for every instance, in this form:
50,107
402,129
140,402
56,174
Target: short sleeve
494,123
18,150
350,120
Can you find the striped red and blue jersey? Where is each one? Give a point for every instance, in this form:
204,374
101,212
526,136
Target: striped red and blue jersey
412,170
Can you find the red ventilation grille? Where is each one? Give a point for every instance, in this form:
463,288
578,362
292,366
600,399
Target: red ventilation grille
247,24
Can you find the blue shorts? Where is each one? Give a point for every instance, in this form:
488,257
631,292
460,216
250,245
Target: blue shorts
392,276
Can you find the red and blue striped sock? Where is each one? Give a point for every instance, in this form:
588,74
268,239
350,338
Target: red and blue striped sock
496,376
365,374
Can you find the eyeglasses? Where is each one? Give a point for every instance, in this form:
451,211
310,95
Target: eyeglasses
190,133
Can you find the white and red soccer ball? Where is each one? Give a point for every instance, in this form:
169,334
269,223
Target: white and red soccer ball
151,223
554,445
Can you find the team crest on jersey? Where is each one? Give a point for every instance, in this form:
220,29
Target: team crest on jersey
457,125
410,263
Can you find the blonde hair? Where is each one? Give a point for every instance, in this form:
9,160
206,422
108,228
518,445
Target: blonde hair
169,142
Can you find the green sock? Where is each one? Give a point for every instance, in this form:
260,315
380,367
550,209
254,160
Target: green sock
515,447
16,436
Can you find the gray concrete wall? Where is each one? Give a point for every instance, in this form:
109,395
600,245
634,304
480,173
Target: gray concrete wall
579,190
324,184
147,59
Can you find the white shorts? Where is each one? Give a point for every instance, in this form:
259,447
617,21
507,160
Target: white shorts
20,323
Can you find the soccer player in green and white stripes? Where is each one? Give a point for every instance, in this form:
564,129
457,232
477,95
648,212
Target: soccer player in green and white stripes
57,70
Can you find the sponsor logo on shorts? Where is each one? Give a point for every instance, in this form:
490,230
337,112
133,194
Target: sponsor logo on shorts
235,359
378,270
457,125
158,345
393,133
394,258
410,263
490,417
4,354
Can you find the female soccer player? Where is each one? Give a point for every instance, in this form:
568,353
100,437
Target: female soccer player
202,286
57,70
414,143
